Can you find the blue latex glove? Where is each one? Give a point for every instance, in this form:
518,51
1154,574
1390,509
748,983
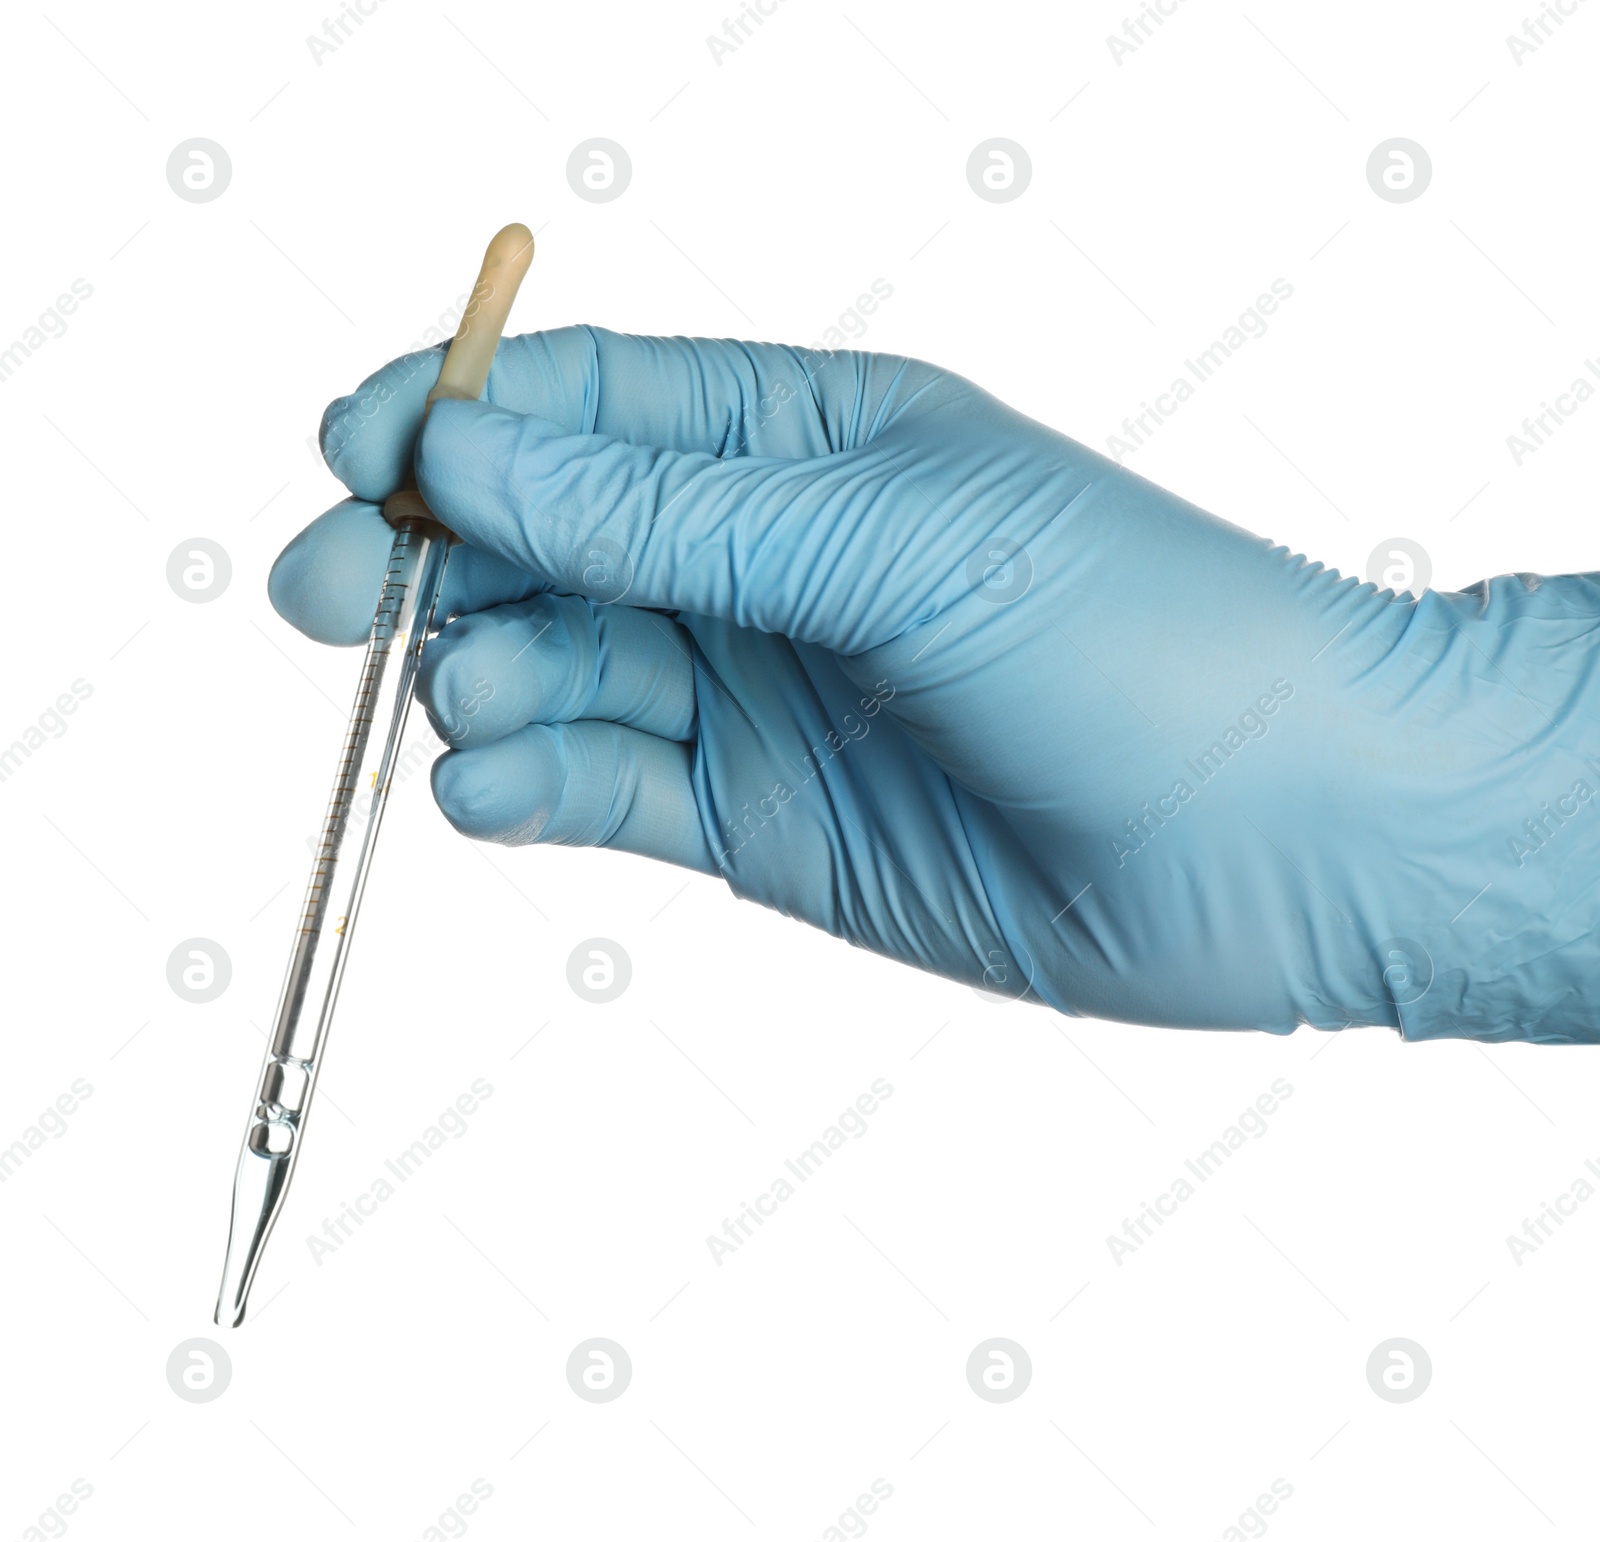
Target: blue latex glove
902,663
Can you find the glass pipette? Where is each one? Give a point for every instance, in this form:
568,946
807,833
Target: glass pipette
404,621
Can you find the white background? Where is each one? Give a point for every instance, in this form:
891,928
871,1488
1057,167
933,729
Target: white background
371,1389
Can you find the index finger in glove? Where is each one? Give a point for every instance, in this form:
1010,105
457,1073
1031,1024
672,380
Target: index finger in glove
724,397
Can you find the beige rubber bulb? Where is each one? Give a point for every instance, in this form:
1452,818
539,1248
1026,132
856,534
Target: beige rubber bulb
465,371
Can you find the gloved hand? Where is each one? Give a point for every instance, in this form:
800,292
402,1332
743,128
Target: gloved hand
902,663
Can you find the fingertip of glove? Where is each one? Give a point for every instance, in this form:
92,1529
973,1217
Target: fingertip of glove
462,790
452,419
463,456
325,582
367,436
501,790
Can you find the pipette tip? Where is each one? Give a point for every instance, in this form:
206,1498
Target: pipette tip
258,1190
